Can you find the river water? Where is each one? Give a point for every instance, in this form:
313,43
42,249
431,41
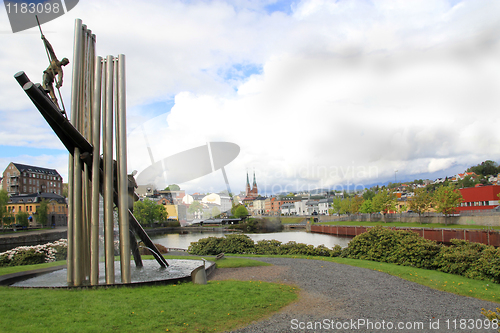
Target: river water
183,240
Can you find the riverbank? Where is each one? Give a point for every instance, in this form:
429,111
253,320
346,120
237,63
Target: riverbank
31,237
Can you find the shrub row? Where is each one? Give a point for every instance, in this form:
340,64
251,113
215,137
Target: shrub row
32,255
472,260
242,244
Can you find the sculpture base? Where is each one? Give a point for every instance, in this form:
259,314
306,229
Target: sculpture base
150,274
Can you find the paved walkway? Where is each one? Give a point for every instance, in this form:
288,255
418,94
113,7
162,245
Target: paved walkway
335,294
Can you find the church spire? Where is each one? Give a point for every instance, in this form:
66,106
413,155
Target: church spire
248,190
255,191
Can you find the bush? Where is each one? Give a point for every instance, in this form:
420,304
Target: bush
28,257
336,251
242,244
236,243
472,260
205,246
393,246
268,247
493,316
38,254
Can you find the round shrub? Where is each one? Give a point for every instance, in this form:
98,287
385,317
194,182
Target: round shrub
268,247
205,246
393,246
237,243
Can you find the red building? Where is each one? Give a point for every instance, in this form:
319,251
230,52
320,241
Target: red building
479,197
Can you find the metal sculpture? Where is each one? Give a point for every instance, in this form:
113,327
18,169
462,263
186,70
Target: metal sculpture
98,84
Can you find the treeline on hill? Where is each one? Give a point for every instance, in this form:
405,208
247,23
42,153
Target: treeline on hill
401,247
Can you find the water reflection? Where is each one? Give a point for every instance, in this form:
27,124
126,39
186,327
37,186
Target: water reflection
183,240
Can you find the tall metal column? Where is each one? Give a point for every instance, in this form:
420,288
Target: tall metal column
77,50
96,143
77,218
121,157
108,174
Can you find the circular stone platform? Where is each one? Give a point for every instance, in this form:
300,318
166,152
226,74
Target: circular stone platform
151,273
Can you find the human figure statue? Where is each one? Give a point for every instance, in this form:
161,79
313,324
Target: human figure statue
55,68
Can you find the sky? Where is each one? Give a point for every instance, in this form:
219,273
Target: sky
316,93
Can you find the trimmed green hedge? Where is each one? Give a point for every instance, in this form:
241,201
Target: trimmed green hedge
472,260
242,244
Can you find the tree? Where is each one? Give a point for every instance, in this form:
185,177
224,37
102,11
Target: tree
420,202
42,211
486,168
22,219
4,199
345,206
195,207
447,199
384,201
215,211
367,207
148,212
240,212
336,203
356,203
173,187
469,181
369,194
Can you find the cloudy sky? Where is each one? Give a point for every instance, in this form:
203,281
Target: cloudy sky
316,93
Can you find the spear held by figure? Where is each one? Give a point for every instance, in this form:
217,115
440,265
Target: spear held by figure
54,69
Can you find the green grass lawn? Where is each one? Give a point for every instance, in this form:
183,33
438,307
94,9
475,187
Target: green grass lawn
215,307
16,269
411,225
291,220
218,306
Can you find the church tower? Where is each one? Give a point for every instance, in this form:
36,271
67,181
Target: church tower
251,192
255,191
248,190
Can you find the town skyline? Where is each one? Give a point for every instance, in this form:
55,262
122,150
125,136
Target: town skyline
315,93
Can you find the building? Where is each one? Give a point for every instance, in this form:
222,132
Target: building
479,197
29,203
324,206
258,207
288,209
253,192
272,205
26,179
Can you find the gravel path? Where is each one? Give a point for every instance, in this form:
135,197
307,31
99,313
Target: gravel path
350,295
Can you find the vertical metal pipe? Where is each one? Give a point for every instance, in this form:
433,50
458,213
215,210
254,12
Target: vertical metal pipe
77,217
121,157
96,143
85,84
108,175
77,49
